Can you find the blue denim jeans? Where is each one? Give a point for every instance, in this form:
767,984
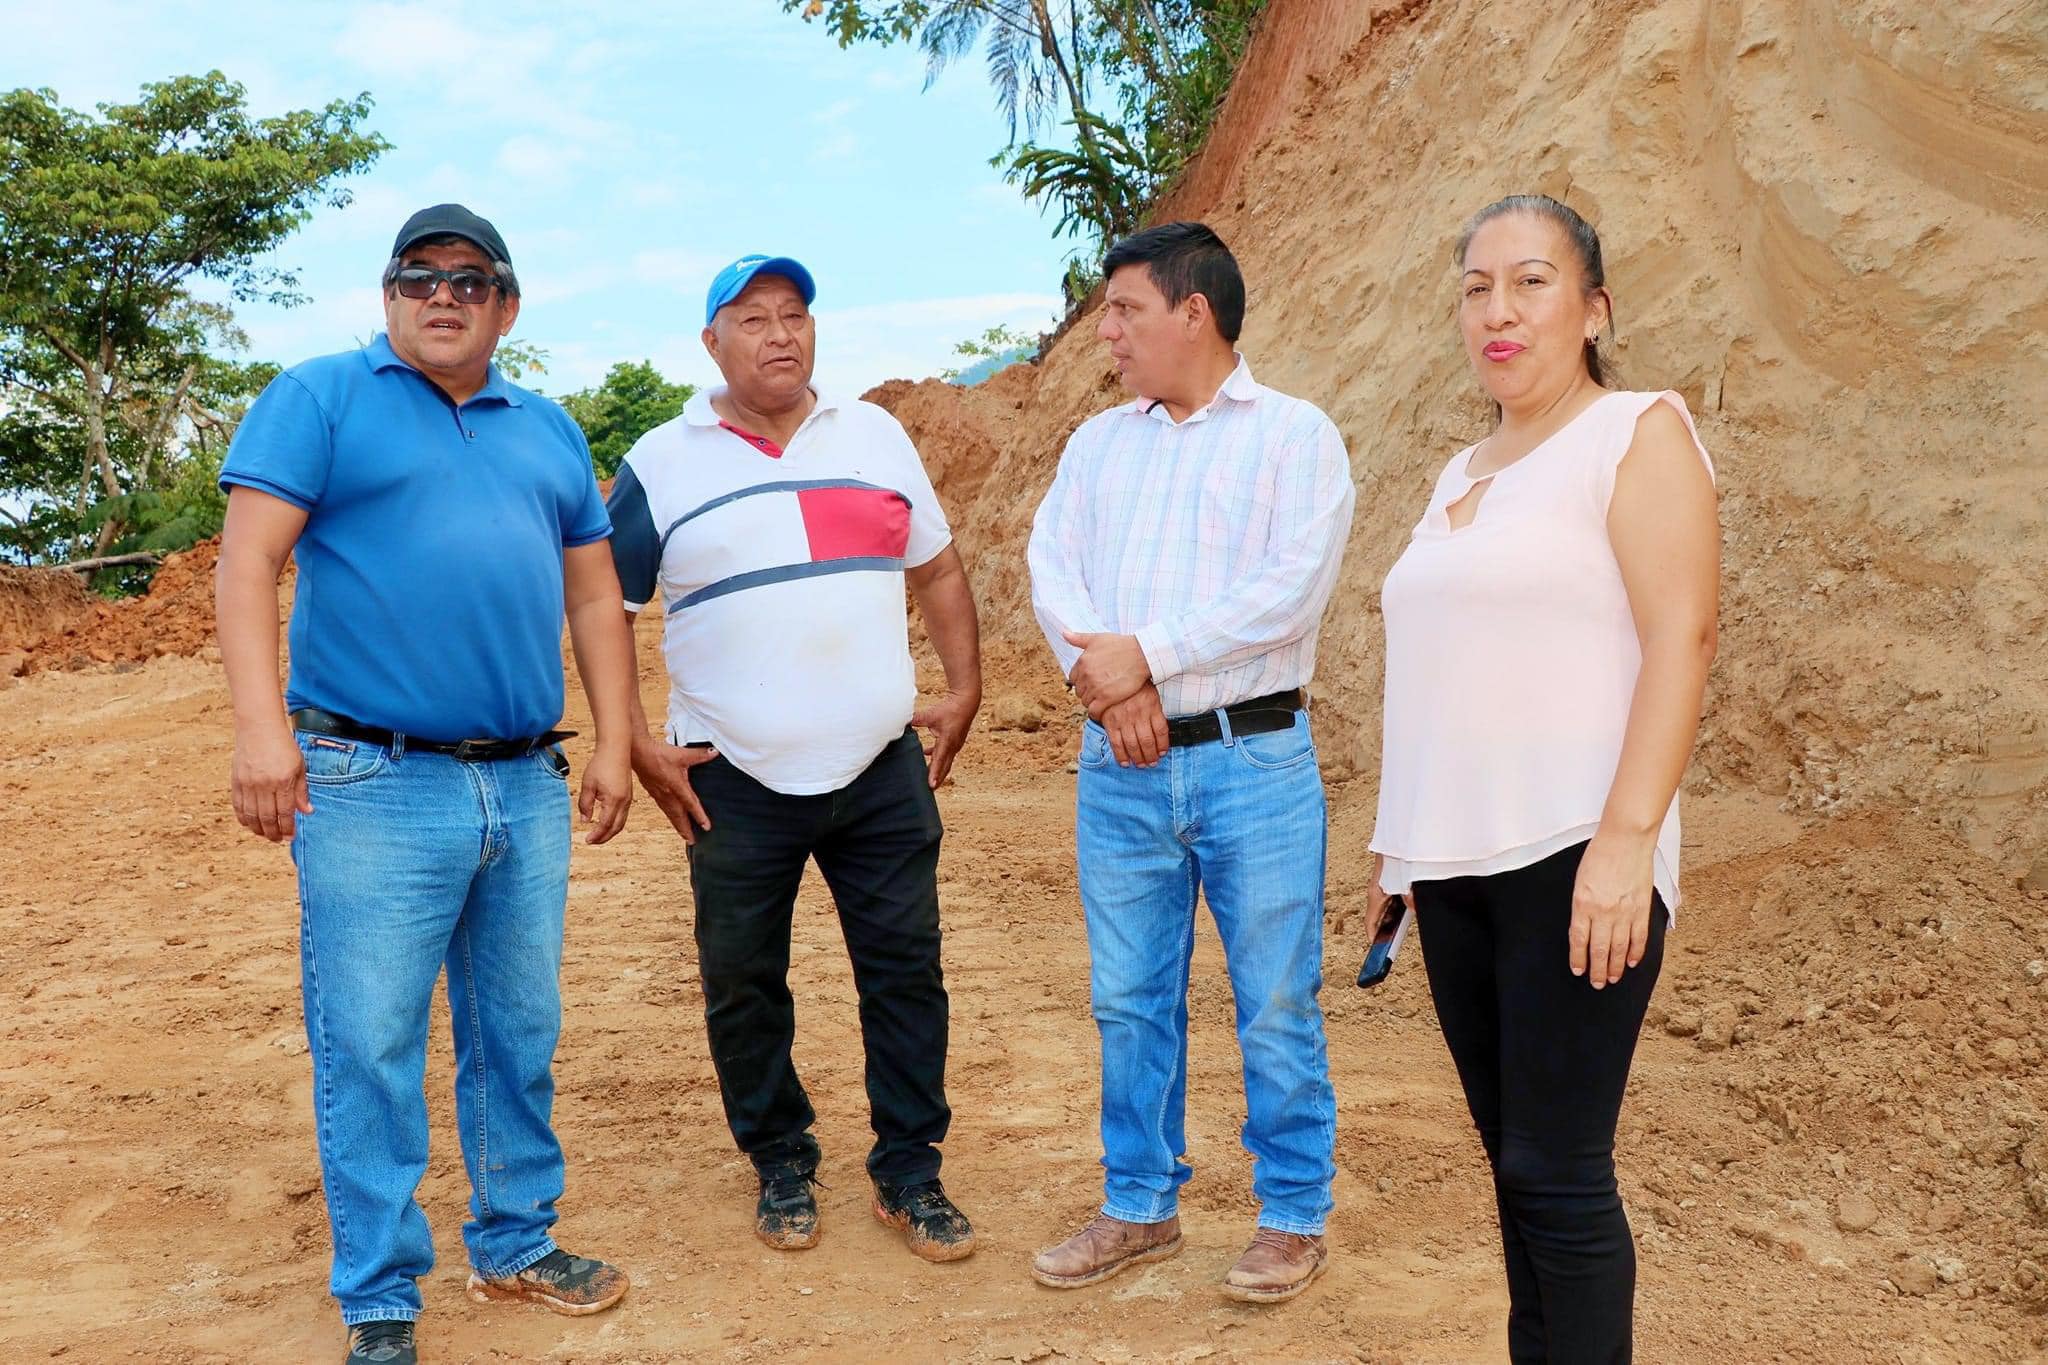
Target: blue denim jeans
411,861
1241,820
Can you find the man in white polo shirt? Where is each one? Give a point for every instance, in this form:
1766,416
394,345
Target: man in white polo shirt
780,525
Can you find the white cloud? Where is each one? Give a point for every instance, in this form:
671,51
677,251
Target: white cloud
652,194
674,267
537,158
475,64
837,148
334,320
641,282
475,67
914,313
860,347
891,80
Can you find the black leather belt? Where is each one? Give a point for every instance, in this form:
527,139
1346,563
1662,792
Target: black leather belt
317,722
1258,716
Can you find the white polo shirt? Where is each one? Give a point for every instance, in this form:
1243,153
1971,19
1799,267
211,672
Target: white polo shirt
781,573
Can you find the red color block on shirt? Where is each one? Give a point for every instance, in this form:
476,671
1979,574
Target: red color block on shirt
855,523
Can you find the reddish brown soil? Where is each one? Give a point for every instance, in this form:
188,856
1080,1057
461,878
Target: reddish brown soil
1824,226
35,603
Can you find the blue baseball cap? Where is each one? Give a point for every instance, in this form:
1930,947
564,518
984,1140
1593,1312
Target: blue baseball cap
731,280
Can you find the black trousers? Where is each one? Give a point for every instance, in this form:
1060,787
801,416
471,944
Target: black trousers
876,840
1543,1058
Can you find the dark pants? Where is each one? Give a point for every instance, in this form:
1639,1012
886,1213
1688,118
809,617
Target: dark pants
877,843
1544,1059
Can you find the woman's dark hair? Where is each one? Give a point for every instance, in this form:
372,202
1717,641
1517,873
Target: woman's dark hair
1585,245
1184,259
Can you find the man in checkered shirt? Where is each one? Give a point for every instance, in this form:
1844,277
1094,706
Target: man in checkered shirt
1179,568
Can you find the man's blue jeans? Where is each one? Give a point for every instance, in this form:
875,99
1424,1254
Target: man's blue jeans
1241,819
411,861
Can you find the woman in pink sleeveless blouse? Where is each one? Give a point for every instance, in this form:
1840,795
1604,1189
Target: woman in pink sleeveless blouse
1549,629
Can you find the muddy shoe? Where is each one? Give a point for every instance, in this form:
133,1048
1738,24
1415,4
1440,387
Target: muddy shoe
1277,1265
935,1229
381,1343
1104,1247
559,1282
786,1217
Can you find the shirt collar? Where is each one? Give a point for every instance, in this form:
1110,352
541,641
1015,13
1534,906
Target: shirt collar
698,412
1240,387
496,387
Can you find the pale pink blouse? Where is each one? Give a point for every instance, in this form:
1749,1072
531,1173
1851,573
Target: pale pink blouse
1511,663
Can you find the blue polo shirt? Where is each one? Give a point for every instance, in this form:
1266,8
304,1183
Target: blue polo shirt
430,571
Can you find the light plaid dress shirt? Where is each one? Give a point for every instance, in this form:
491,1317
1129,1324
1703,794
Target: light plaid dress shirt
1215,541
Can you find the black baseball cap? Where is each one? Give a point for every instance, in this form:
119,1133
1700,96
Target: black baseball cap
452,220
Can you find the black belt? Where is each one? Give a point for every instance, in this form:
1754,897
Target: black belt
317,722
1259,716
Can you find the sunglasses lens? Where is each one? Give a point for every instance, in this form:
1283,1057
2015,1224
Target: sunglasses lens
418,282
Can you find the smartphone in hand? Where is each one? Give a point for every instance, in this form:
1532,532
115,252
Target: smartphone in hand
1395,917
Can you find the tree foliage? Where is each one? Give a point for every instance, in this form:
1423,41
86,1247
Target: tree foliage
1000,344
632,401
112,398
1136,83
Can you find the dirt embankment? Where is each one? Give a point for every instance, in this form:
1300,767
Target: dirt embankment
174,617
34,604
1823,226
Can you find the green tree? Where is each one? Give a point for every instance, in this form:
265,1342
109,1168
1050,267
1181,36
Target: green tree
1000,342
106,220
632,401
517,359
43,443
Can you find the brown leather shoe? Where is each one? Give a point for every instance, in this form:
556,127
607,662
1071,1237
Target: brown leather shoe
1277,1265
1101,1249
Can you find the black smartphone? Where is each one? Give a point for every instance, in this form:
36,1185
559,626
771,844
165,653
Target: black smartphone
1386,941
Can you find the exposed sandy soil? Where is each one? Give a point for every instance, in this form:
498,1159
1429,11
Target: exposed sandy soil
1852,1008
1825,225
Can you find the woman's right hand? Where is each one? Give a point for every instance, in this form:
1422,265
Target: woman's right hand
1376,899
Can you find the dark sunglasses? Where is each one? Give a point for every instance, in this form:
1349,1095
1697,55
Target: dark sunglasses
468,286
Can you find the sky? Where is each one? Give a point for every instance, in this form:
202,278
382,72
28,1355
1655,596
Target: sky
625,151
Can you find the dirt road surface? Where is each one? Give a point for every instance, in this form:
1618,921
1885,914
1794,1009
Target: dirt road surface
162,1201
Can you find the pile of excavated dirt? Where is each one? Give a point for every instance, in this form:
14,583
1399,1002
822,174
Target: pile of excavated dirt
174,617
35,603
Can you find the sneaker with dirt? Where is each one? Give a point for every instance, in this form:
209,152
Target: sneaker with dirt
1277,1265
561,1283
381,1343
786,1216
935,1229
1103,1248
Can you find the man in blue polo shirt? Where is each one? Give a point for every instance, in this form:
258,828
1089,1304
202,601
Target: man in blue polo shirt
444,522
